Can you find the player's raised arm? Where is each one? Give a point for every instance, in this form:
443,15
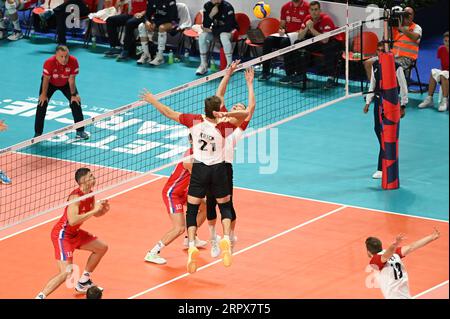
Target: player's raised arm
239,115
421,242
163,109
391,250
249,76
222,88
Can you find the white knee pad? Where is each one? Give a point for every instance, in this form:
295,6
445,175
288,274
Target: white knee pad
10,7
142,30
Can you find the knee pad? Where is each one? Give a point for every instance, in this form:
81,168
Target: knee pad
211,213
233,212
191,215
225,210
10,7
142,30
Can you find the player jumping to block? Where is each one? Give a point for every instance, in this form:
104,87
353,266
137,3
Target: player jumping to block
230,144
174,196
208,170
67,235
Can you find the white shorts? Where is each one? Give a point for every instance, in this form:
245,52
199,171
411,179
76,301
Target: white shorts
436,74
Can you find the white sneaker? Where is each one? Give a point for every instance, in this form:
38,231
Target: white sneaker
143,59
198,242
377,175
202,69
158,60
443,105
155,258
427,102
15,36
215,249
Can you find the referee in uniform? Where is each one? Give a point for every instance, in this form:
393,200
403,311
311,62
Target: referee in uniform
59,74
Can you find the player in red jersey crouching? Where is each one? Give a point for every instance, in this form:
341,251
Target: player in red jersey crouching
67,235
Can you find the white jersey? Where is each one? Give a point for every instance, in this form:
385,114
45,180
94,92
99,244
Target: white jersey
208,139
232,140
393,278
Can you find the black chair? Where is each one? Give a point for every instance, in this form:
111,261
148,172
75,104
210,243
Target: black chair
410,82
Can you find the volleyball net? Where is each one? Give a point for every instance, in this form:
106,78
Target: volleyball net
135,140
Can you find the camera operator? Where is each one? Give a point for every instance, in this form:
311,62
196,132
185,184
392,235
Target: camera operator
406,38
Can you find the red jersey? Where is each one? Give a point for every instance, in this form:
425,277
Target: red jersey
138,6
178,182
294,15
442,54
323,24
62,227
58,73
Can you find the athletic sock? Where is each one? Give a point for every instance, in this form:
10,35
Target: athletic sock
157,248
212,232
16,25
162,39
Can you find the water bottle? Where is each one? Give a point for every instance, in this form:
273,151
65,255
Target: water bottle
186,56
94,42
213,66
170,59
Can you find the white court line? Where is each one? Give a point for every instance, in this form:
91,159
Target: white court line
241,251
351,206
54,218
333,203
431,289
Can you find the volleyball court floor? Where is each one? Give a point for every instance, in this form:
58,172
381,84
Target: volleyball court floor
288,246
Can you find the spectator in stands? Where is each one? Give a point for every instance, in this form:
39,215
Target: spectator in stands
406,39
218,21
439,76
292,17
4,179
315,24
130,18
11,7
161,17
61,13
110,8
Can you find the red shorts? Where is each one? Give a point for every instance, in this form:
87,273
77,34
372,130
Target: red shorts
64,247
174,202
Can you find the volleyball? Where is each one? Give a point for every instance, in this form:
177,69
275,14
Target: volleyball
261,10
